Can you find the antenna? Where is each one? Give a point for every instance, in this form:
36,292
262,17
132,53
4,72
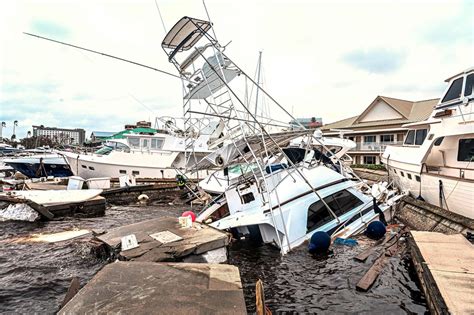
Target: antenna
209,19
162,22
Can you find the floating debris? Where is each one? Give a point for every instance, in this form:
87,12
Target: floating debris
19,212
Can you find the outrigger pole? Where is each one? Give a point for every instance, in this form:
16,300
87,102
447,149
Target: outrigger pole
106,55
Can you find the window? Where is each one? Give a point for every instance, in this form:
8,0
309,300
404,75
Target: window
369,139
156,143
122,172
386,138
401,173
466,150
83,166
134,142
369,159
340,202
135,173
418,179
145,143
409,175
438,141
430,136
410,139
416,137
394,171
469,89
454,91
247,198
420,136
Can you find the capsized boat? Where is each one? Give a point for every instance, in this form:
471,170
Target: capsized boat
291,191
435,162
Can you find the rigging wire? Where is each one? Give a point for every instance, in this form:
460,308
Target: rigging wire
107,55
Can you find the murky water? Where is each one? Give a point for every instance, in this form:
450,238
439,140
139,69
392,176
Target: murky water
34,277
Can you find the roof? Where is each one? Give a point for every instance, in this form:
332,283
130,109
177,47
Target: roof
103,133
185,33
121,134
411,112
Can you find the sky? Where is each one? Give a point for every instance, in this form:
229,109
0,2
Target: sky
327,59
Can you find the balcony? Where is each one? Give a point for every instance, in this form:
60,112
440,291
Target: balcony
378,147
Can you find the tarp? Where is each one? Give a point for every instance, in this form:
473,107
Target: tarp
189,29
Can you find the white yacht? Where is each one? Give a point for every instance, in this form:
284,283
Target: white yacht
435,162
291,189
160,155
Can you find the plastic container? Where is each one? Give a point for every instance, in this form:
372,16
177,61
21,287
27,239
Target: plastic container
75,183
98,183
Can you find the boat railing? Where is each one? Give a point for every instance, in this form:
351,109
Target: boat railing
463,173
375,146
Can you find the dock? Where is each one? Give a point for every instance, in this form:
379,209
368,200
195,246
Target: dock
164,288
191,244
444,264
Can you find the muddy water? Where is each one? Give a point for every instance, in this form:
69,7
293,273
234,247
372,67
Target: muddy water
34,277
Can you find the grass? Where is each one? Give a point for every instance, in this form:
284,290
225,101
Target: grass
369,166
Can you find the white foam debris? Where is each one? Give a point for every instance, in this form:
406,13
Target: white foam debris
19,212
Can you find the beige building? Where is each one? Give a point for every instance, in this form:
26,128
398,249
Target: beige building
379,125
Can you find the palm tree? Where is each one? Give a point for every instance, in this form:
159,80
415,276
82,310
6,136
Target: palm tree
1,130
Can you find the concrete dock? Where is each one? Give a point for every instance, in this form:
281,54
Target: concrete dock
194,241
160,288
445,267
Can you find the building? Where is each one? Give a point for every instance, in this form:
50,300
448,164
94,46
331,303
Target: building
99,136
309,123
61,135
379,125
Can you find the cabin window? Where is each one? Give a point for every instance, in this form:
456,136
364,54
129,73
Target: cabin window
431,136
156,143
340,202
410,139
134,142
145,143
409,175
247,198
386,138
420,136
418,179
369,139
438,141
369,159
469,89
122,172
135,173
91,168
318,215
466,150
401,173
83,166
454,91
394,171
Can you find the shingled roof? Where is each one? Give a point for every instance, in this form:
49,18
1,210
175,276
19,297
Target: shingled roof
410,111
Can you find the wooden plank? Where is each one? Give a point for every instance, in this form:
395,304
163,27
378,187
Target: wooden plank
72,291
40,209
369,251
371,275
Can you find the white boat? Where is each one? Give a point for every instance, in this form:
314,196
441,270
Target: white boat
53,197
161,155
291,189
436,160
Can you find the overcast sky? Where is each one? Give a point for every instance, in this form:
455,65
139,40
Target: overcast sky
328,59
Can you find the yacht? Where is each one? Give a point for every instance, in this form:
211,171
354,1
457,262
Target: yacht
158,155
289,188
435,162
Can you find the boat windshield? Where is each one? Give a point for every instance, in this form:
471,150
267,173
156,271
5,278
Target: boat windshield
104,150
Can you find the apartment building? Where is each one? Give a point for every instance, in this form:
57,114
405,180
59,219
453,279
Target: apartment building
75,136
379,125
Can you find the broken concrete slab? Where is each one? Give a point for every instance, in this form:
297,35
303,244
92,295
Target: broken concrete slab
196,240
165,288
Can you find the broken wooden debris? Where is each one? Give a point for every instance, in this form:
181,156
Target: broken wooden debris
197,240
150,288
72,291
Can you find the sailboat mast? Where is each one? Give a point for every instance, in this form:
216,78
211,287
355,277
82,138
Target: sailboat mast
258,81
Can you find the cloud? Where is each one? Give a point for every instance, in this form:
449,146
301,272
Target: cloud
377,61
48,28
